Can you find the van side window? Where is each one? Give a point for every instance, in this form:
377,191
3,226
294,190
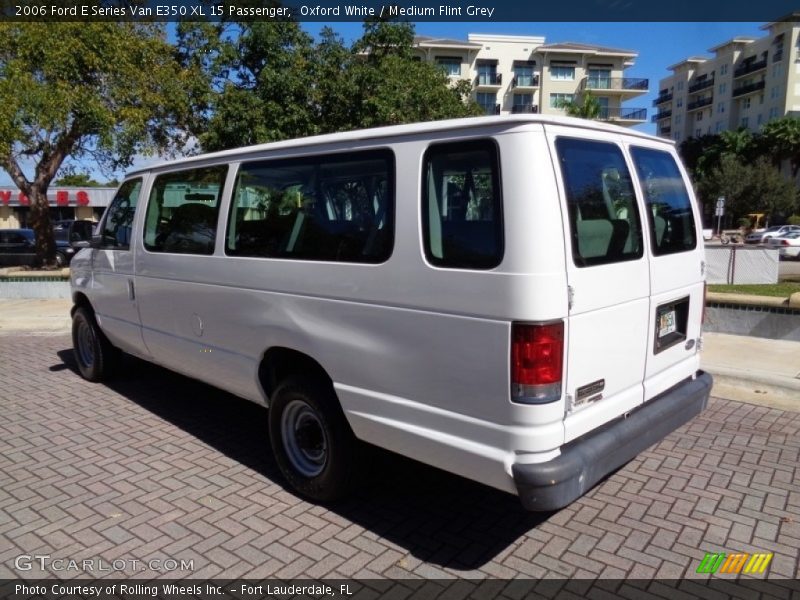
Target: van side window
182,211
603,215
462,206
116,232
669,208
337,207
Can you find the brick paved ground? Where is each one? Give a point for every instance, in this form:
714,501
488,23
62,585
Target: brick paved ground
155,466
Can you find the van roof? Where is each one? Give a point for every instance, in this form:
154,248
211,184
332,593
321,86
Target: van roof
509,121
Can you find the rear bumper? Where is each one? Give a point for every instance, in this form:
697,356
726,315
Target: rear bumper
585,461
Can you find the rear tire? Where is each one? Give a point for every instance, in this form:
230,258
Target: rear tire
95,355
313,444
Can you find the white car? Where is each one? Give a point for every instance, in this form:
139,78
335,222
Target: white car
788,245
761,237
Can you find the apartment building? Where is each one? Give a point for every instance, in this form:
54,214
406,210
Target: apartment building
746,83
522,74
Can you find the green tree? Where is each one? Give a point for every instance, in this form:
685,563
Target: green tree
781,140
749,188
103,90
78,180
272,81
586,107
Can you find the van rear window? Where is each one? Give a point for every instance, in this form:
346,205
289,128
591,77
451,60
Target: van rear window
337,207
603,215
669,208
462,207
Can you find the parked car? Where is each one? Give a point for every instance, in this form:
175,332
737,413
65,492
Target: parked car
70,236
761,237
17,247
788,245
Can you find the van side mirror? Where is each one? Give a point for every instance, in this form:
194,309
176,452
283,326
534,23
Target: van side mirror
97,241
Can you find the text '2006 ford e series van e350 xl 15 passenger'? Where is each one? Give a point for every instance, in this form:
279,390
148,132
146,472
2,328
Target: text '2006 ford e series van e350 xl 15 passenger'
517,300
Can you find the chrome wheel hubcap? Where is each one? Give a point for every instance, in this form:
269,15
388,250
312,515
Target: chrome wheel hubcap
304,438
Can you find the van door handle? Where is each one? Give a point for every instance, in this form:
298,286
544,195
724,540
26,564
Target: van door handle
131,293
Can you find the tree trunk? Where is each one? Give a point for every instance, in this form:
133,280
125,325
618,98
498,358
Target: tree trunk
40,216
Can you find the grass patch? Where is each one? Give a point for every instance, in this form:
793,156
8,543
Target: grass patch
780,290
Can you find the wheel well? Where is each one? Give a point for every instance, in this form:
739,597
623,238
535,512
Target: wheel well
79,300
279,363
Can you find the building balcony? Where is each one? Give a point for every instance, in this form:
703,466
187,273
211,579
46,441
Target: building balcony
665,131
699,103
701,85
634,85
662,98
749,88
492,80
623,114
524,109
748,68
663,114
525,83
491,109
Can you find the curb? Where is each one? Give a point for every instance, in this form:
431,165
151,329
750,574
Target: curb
755,388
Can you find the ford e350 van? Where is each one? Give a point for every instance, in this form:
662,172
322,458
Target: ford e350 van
517,300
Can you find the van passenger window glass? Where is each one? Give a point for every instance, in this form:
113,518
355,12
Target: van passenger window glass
669,208
603,215
336,207
462,206
116,232
182,212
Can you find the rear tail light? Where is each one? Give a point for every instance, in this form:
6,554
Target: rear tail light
785,243
537,362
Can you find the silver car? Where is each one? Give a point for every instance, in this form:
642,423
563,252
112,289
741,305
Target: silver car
761,237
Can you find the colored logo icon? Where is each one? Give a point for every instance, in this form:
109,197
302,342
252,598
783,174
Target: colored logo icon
740,562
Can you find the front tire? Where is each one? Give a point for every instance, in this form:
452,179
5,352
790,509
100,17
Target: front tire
311,439
95,355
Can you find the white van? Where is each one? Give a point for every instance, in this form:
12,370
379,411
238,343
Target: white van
514,299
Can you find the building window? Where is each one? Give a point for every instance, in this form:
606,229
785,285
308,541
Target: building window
450,65
462,205
678,119
523,76
721,107
182,212
562,73
698,132
487,74
761,98
759,119
718,127
777,48
337,207
680,86
677,136
488,102
745,103
557,99
700,115
777,71
679,102
599,79
723,87
523,103
773,112
723,70
745,122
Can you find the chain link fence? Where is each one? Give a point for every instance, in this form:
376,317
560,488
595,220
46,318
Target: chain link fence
741,264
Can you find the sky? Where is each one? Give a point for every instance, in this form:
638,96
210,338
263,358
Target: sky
659,45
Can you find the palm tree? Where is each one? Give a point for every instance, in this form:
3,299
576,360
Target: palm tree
588,108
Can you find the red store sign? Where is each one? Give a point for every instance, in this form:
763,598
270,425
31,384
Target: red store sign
62,198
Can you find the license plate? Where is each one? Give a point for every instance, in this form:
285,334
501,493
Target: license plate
666,323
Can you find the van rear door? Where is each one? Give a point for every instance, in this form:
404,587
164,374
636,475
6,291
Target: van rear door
608,276
676,266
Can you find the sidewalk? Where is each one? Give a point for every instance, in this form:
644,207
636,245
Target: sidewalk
747,369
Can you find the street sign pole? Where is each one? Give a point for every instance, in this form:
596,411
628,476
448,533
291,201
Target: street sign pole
719,212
